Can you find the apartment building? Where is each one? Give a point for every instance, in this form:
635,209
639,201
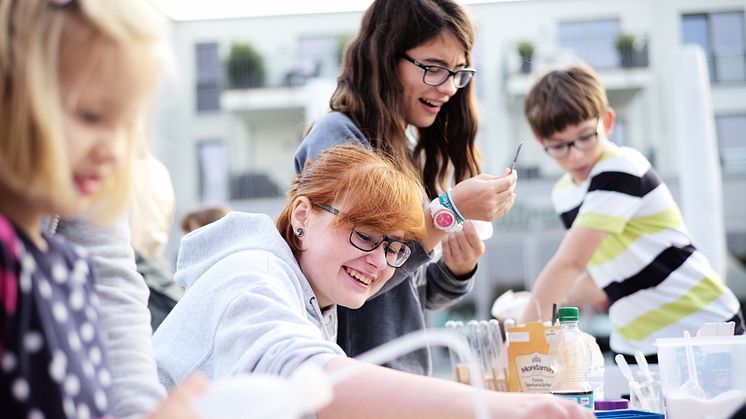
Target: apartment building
228,127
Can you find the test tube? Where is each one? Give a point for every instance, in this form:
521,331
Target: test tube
474,335
499,356
489,356
460,369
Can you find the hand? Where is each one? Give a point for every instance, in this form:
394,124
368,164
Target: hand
178,404
545,406
485,197
462,250
552,407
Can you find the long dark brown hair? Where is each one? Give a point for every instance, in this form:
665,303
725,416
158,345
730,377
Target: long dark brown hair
369,90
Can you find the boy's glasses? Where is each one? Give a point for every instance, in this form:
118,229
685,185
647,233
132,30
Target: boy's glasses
396,251
584,142
436,75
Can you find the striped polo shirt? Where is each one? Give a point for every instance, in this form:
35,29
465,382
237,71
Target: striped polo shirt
657,282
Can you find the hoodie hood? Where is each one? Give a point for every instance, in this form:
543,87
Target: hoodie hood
248,307
236,232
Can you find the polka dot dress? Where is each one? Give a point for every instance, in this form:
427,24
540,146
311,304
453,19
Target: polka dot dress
52,364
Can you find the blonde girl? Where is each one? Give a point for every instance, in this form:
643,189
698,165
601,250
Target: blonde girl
74,76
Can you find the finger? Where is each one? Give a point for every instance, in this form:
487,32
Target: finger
457,249
509,174
504,183
446,246
503,198
470,238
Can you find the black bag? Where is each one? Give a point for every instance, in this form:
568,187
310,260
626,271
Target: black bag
164,292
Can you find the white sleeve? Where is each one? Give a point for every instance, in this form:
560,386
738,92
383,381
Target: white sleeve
124,316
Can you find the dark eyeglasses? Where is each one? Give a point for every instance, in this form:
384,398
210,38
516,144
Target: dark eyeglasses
584,142
396,251
436,75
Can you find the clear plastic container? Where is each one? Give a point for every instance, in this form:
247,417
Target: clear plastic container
571,360
702,376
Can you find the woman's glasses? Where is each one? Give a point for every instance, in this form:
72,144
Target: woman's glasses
436,75
396,251
584,142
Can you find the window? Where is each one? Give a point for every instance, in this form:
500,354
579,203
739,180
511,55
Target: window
731,132
592,41
213,171
209,74
721,35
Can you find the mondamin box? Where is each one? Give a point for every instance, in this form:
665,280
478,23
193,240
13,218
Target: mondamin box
529,365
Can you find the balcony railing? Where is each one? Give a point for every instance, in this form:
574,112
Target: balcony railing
247,185
728,66
277,71
599,54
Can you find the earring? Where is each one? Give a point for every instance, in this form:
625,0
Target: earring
299,232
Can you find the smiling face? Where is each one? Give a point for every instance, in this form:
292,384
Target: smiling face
338,272
420,102
102,92
579,162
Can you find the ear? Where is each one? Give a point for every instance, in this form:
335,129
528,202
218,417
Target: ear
608,119
538,141
301,211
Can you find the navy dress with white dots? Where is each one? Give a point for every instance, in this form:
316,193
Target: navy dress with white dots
52,364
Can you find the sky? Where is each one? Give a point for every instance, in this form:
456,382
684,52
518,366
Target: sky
215,9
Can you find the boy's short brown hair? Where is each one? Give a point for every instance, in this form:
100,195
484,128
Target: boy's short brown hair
564,97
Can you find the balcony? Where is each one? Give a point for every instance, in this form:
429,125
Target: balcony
275,82
619,68
727,65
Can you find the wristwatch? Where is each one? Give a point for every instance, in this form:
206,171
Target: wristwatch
444,218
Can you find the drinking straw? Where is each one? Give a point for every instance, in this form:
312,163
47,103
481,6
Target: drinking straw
554,313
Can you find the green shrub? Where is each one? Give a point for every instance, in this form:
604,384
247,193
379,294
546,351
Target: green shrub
245,66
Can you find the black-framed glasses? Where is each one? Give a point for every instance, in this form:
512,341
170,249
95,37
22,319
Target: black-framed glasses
584,142
435,75
397,252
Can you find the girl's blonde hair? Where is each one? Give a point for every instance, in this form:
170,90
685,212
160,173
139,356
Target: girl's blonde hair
33,36
371,189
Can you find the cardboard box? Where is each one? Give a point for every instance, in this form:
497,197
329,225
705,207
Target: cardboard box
529,364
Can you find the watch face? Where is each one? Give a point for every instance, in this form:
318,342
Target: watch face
444,219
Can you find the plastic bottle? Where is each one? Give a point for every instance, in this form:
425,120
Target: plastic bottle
571,360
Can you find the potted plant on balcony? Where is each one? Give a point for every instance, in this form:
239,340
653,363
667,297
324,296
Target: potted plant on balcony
245,66
526,52
625,45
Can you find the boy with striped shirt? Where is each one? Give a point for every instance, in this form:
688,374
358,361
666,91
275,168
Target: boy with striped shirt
626,239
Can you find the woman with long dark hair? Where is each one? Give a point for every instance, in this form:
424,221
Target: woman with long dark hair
405,90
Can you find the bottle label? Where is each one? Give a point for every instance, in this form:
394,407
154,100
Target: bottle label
534,372
583,398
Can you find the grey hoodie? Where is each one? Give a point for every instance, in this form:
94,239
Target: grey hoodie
247,307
